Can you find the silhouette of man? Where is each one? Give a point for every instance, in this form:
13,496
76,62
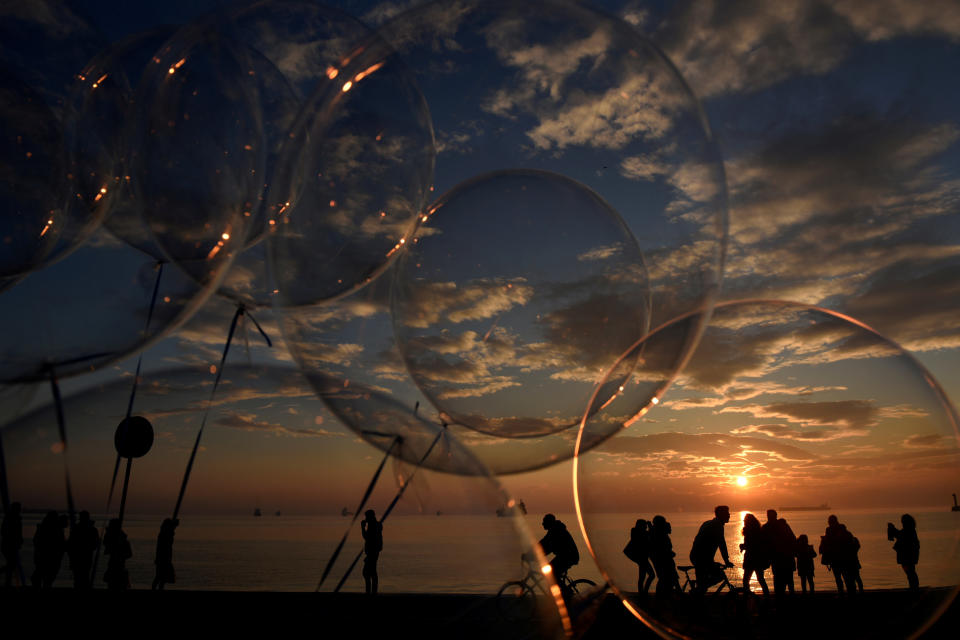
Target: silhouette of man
782,545
80,547
164,558
560,543
372,531
11,539
710,538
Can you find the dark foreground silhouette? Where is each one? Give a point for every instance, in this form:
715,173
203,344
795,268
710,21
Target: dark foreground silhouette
372,531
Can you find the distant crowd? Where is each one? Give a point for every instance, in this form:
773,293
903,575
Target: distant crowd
771,545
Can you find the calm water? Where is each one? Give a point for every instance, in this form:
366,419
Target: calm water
472,554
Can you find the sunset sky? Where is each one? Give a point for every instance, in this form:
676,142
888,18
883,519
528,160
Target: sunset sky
837,125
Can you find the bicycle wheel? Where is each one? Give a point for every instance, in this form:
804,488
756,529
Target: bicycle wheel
581,586
516,601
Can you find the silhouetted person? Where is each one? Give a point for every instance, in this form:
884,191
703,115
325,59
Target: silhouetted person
638,550
164,558
782,544
756,555
662,555
838,552
80,547
116,545
49,546
907,546
372,531
805,556
705,545
11,539
855,561
561,544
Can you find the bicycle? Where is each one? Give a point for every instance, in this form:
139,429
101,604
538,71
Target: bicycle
692,582
517,599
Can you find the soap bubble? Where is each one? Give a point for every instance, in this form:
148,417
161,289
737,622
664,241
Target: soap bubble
196,152
270,444
348,352
91,308
524,289
292,44
795,408
352,180
43,47
32,186
558,87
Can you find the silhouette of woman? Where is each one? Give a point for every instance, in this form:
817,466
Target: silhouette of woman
638,550
907,546
372,531
756,554
164,557
662,554
116,545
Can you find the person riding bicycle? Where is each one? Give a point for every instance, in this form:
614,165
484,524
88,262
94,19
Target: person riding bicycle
709,539
560,543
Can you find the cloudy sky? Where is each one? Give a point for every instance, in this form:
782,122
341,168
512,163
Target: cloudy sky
833,129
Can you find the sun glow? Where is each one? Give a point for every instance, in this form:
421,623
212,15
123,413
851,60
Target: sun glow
741,481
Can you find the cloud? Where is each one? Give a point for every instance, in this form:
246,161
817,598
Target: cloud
925,441
746,45
476,300
601,253
250,422
852,417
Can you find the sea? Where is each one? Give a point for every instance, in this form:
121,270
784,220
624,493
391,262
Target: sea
474,553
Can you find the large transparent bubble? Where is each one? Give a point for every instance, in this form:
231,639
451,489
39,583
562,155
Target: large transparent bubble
33,180
517,297
347,351
555,86
352,180
196,150
803,411
292,44
43,47
90,309
272,448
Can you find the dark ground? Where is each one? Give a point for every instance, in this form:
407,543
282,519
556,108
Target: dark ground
876,614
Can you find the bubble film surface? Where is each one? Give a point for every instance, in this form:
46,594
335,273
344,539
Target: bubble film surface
791,408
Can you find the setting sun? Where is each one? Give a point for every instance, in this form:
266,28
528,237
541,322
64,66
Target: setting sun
741,481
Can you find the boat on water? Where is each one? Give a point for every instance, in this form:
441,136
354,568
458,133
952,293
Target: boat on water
346,512
820,507
956,507
256,512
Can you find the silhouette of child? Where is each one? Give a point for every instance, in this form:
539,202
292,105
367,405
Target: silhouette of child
805,556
